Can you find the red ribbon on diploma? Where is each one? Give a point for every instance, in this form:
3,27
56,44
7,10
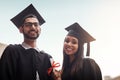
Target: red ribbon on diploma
54,65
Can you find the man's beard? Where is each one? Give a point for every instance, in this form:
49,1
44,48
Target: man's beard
30,37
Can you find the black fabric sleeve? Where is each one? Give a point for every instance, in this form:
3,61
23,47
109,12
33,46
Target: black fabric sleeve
8,63
91,70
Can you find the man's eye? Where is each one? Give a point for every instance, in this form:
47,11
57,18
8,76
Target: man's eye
29,24
36,24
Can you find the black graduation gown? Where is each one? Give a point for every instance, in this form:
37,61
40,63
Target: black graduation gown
89,71
19,64
67,76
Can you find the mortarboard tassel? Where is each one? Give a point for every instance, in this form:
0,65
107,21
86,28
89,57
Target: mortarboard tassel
88,49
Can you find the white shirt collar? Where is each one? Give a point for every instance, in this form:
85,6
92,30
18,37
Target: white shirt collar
26,46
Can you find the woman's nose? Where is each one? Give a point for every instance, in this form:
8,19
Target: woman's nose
69,43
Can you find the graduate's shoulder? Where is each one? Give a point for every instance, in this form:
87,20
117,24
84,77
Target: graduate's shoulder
90,62
13,46
11,51
45,53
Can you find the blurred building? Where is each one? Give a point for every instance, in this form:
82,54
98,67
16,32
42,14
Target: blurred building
110,78
2,47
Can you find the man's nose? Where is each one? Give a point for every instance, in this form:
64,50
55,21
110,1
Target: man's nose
33,26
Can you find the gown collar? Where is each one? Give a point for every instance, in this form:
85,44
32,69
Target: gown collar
26,46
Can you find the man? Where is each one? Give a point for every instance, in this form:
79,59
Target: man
25,61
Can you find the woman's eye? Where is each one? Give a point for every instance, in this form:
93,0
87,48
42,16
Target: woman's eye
74,42
66,40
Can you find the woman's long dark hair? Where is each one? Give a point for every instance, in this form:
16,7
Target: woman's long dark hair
77,62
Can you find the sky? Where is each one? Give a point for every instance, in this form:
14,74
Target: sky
100,18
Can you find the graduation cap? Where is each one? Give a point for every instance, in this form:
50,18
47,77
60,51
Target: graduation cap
18,19
77,31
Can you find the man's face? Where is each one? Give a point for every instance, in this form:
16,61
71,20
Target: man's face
31,28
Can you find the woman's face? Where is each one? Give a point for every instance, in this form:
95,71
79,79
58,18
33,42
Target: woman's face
70,45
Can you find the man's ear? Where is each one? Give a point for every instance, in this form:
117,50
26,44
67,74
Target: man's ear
21,29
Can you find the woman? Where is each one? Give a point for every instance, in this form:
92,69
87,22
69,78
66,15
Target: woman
75,66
